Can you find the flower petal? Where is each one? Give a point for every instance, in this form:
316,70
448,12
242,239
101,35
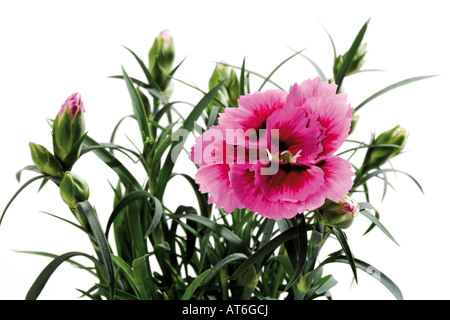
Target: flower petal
333,112
289,182
214,179
297,132
252,113
253,198
337,182
211,148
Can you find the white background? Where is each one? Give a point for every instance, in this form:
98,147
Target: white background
50,49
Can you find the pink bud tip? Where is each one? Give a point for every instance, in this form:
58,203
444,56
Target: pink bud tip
73,103
166,35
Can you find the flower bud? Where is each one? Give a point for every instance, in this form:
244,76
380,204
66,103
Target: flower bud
161,58
377,156
45,161
73,189
338,214
357,62
249,278
69,131
230,91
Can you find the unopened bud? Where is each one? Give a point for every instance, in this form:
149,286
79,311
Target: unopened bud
338,214
394,141
161,58
249,278
229,93
355,64
73,189
45,161
69,131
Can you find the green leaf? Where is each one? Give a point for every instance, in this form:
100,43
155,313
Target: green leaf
218,229
119,294
266,250
148,76
302,251
27,168
324,284
253,73
131,197
18,192
374,220
142,276
342,238
371,270
350,55
194,285
222,263
319,71
138,108
391,87
127,270
44,276
110,160
187,126
85,208
51,255
202,199
242,79
278,67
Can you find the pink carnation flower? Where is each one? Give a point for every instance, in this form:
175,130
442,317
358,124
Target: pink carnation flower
274,153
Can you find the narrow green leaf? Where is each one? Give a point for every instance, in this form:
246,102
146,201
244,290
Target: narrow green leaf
255,74
18,192
176,146
138,108
325,284
119,294
350,55
302,252
127,270
371,270
148,76
142,276
242,79
375,221
278,67
222,263
129,198
87,210
194,285
69,222
44,276
218,229
391,87
202,199
110,160
27,168
319,71
51,255
266,250
342,238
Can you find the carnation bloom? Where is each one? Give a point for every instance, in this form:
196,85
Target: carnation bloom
289,167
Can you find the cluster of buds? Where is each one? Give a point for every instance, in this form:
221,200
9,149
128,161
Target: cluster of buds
68,134
230,91
338,214
161,58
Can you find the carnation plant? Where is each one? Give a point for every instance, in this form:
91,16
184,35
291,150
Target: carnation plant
273,184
